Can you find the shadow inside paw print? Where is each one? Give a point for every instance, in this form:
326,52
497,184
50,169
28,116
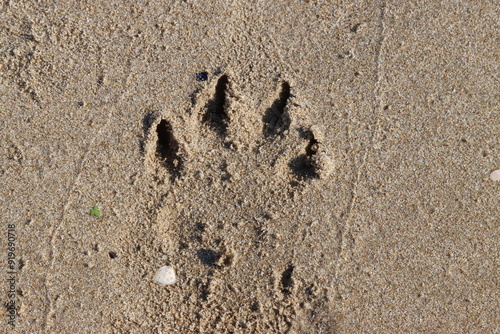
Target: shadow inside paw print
167,149
305,166
276,118
215,116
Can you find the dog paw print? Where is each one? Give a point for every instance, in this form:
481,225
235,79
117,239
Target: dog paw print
219,114
227,173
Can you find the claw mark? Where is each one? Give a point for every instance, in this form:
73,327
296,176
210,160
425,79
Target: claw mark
305,166
167,149
286,280
276,119
215,116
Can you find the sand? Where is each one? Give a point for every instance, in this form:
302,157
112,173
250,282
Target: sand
331,175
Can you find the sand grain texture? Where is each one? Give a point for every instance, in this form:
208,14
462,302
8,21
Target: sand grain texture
332,175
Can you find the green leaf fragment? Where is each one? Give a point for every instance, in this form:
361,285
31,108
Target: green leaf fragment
95,211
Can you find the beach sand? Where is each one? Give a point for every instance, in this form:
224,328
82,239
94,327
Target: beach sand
330,175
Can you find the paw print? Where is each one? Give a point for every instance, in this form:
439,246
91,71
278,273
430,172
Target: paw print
216,116
228,174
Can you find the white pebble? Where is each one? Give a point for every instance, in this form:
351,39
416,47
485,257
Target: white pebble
495,175
165,275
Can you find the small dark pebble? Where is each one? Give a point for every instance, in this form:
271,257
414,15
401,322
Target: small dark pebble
113,255
202,76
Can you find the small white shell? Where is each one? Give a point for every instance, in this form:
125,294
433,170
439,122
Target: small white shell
495,175
165,275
